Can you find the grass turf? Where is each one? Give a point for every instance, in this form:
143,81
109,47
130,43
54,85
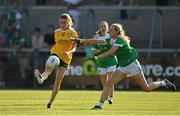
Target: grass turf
33,102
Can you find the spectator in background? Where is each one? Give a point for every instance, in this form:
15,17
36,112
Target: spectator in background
2,40
72,6
14,17
14,20
1,21
123,12
37,42
49,37
2,37
17,42
2,56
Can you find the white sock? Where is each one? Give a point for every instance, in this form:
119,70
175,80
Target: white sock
44,76
163,83
111,98
100,104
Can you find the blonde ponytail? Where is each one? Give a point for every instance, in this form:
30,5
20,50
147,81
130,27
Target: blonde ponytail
121,32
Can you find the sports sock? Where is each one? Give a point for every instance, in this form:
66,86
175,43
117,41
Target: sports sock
110,98
163,83
44,76
101,104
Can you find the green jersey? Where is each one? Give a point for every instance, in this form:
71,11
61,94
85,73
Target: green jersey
108,61
17,41
13,16
125,54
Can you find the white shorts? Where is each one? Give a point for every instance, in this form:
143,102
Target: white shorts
131,69
104,71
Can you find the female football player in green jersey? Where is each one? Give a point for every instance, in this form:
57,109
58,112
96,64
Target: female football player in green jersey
128,63
106,66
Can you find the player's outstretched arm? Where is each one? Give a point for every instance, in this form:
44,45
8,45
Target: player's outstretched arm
108,53
93,41
87,41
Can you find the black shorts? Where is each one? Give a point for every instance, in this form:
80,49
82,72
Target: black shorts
62,63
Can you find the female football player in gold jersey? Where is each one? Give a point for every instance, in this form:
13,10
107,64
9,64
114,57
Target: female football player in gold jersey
61,54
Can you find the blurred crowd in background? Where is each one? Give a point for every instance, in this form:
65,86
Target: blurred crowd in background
11,26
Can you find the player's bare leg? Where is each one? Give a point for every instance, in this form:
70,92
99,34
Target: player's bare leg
57,84
41,77
104,80
140,79
116,77
111,92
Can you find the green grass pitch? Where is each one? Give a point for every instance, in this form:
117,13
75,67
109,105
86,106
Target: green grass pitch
79,103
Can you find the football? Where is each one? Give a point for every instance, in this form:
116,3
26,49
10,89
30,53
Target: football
53,61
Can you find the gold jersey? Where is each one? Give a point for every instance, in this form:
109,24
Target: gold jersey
63,44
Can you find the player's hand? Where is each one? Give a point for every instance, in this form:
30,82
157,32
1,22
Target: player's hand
95,57
77,40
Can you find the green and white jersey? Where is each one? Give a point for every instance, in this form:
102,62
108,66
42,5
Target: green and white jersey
125,54
13,16
108,61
